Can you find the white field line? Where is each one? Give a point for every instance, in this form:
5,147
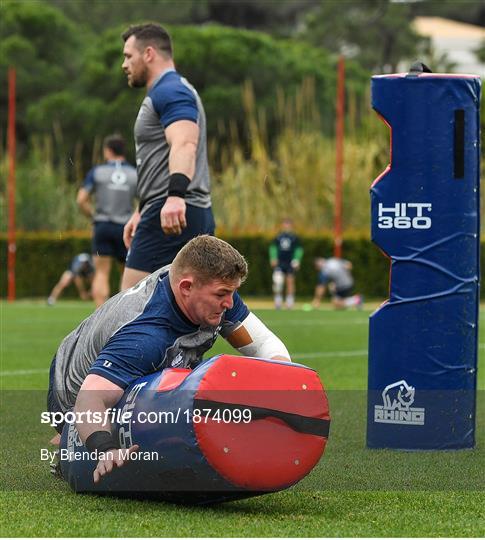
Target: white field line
312,322
13,372
296,356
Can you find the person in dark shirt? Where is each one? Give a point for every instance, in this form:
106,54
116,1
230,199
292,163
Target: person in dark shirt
169,319
285,254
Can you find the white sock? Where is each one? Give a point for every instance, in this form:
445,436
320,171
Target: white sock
352,300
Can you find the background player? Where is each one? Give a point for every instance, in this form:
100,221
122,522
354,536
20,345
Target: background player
80,272
168,320
171,156
114,187
336,274
285,253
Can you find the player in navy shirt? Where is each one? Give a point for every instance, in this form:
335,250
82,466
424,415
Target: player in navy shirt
114,187
169,319
285,253
171,156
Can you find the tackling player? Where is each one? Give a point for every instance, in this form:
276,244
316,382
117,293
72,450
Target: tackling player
169,319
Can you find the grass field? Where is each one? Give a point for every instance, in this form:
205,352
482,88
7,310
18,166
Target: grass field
352,492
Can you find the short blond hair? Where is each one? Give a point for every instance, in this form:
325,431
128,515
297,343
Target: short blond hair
208,258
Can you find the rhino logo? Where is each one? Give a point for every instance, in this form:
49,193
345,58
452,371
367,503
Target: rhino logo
398,395
397,399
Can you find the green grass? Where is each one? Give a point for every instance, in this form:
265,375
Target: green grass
352,492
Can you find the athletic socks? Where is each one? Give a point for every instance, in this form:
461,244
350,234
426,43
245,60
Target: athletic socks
355,300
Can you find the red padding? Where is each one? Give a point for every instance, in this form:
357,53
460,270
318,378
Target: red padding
264,454
171,378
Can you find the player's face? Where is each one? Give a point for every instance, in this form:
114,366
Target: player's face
287,225
134,65
209,301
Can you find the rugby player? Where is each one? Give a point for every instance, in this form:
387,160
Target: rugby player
171,156
285,254
336,274
114,187
169,319
80,272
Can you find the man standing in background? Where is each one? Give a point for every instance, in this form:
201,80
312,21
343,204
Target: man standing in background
114,187
285,253
171,156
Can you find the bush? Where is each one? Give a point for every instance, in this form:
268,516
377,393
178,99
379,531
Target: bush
42,257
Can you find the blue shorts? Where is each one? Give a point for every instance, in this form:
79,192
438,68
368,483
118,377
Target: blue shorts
152,248
286,268
346,292
108,240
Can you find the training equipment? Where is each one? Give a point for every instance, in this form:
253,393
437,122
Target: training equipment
233,427
425,218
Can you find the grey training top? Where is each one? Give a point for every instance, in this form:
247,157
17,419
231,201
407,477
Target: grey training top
170,99
135,333
336,270
114,186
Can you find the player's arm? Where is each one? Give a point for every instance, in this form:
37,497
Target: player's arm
97,395
84,202
273,255
297,257
81,289
130,228
182,137
253,338
84,194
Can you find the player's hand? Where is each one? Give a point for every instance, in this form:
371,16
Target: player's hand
172,216
130,229
105,466
295,264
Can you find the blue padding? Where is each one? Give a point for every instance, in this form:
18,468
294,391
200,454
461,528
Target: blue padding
425,218
181,470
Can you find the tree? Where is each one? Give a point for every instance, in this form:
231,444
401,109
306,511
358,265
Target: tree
376,33
41,44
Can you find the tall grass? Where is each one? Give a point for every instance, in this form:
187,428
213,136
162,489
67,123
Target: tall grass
295,176
45,198
257,179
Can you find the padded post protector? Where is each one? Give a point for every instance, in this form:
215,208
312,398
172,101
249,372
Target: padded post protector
425,218
233,427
